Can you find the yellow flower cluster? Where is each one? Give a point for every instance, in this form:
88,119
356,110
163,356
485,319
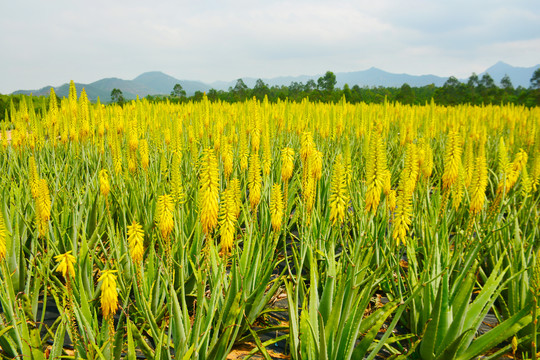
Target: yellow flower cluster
209,191
109,294
339,193
135,234
65,264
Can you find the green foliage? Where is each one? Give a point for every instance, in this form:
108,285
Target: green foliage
178,91
117,96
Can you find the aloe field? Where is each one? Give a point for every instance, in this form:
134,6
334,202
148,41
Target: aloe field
336,231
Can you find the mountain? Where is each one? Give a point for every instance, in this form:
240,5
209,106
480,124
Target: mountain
378,77
369,78
158,83
163,83
63,91
130,88
277,81
150,83
520,76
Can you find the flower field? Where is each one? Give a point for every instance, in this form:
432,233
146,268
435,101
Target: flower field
165,231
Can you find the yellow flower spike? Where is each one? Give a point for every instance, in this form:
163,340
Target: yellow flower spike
135,234
287,164
308,193
104,185
143,149
478,185
339,198
317,165
307,146
403,216
427,165
515,169
276,207
209,191
3,238
227,159
468,164
255,140
267,154
526,183
452,159
504,164
65,264
243,150
164,216
254,180
235,188
109,294
391,200
33,177
227,222
177,190
378,177
43,206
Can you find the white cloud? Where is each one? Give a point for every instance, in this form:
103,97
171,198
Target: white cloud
223,40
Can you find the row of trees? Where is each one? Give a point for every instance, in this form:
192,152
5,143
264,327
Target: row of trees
477,90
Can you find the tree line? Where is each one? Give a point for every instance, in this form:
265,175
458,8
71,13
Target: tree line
476,91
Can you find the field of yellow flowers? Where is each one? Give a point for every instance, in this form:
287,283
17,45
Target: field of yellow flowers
171,230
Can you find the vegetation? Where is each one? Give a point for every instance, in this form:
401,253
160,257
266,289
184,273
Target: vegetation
169,230
475,92
117,96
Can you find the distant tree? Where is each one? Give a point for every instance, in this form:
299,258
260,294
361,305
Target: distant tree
535,79
406,94
347,92
198,96
310,85
260,90
327,82
212,94
452,92
488,89
506,83
473,89
451,82
178,91
487,81
117,96
507,94
473,80
356,92
295,90
534,97
240,90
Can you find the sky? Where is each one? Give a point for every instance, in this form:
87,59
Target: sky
52,42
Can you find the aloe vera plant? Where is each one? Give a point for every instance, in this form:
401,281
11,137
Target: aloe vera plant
175,226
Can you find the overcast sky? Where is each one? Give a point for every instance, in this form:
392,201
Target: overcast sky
50,42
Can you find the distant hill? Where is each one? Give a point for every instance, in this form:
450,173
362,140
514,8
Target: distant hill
63,91
520,76
130,88
158,83
277,81
163,83
377,77
150,83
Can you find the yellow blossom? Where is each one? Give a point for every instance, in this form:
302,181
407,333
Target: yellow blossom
109,294
65,264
